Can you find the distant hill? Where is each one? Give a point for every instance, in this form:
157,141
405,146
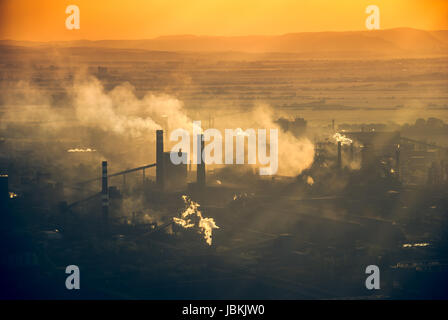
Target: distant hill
400,42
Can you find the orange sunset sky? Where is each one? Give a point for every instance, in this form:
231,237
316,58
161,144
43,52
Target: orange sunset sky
44,20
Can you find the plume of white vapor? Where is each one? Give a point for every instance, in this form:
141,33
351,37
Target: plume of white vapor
341,138
294,154
206,225
81,150
122,112
310,180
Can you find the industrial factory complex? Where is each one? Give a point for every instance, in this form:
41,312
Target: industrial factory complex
189,231
217,158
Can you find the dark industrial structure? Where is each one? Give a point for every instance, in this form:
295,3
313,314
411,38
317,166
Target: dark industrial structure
159,160
379,199
201,163
105,197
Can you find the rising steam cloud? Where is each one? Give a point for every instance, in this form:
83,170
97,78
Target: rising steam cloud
192,214
121,112
117,111
294,154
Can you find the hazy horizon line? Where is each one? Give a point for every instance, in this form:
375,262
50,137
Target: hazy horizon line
218,36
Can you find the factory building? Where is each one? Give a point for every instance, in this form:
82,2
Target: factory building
201,164
414,162
376,144
169,175
175,176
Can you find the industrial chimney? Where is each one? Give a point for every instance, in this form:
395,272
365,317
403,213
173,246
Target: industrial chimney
397,160
339,155
201,165
159,160
105,197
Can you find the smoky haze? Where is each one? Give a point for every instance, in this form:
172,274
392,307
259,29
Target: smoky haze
119,125
306,232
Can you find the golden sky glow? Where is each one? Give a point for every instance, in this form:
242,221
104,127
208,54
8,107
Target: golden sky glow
44,20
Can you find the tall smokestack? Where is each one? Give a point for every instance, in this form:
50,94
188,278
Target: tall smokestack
397,160
339,155
160,179
201,165
105,197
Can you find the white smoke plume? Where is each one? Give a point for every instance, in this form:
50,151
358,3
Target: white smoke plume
310,180
338,137
114,122
121,112
73,150
294,154
131,122
205,225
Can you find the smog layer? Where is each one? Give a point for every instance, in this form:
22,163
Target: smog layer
362,180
